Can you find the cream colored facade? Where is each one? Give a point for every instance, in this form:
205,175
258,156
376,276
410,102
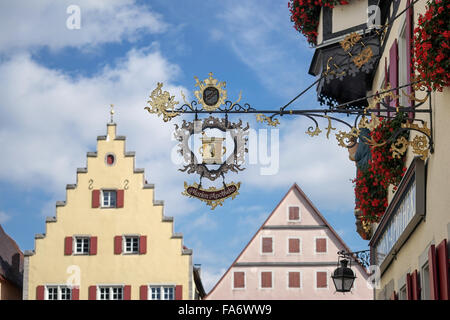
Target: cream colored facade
434,228
436,225
166,261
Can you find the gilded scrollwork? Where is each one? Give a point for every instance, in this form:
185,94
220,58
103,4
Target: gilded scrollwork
263,118
162,103
398,148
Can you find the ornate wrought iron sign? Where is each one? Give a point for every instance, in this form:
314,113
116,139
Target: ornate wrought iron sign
216,160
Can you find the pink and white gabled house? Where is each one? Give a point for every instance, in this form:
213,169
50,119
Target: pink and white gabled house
291,256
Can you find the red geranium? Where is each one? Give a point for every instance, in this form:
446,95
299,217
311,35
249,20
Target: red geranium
304,14
371,183
432,45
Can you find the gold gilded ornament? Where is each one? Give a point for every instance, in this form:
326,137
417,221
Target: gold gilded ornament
314,132
212,196
349,41
342,135
420,146
162,103
329,128
263,118
399,147
211,94
362,58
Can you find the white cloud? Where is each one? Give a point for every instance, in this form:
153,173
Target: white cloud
31,24
318,165
210,278
48,121
4,217
260,33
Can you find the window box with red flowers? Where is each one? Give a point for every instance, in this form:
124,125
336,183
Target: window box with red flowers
372,182
304,14
432,45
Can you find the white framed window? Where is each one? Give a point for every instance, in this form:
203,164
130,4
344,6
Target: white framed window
161,292
109,198
81,245
266,247
239,280
402,295
320,245
58,292
294,246
293,214
131,244
266,279
110,293
425,281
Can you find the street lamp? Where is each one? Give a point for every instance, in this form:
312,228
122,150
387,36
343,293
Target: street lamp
343,277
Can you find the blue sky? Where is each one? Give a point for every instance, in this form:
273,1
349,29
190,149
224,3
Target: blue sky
56,85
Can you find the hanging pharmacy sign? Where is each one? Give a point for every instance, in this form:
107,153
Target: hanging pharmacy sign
214,157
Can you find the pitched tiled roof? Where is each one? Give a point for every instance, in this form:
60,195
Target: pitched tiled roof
11,259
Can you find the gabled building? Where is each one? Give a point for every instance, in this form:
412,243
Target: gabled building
11,268
291,256
110,239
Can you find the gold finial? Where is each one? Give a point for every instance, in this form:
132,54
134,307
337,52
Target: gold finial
112,112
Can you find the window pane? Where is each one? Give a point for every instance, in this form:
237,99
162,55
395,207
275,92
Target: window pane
168,293
239,280
52,293
156,293
65,293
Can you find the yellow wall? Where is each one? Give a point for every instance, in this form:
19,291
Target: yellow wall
164,262
437,223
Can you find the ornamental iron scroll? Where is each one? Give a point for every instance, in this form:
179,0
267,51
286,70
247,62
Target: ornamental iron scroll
211,92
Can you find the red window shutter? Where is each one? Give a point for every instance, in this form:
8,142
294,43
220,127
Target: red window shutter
267,245
321,245
95,198
386,80
321,278
117,244
239,280
142,244
294,245
68,246
442,261
120,196
415,281
127,293
409,53
143,292
294,213
434,281
40,293
393,71
394,296
179,292
92,292
294,279
266,279
110,159
93,246
408,286
75,294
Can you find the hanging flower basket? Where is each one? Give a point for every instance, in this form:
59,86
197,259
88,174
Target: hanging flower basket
304,14
432,45
371,183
